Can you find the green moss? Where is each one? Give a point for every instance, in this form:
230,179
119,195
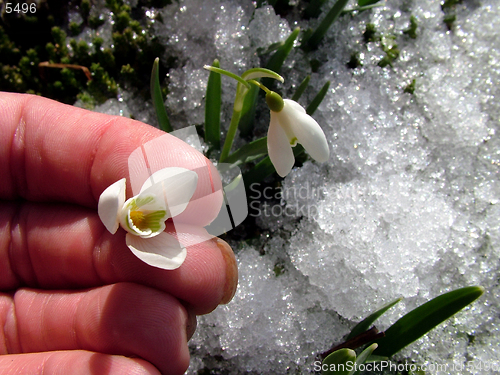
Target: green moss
85,9
102,86
412,30
122,20
391,52
74,28
127,62
410,88
370,34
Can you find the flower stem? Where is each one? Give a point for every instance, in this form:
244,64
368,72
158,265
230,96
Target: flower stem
260,85
231,133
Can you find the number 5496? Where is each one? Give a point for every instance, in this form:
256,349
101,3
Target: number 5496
20,8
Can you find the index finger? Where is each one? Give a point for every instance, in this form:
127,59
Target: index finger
56,152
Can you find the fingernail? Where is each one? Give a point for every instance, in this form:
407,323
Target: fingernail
231,271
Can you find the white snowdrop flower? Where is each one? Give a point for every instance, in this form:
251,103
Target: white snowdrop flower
290,124
165,194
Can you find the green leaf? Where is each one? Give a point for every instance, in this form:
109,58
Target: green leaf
366,323
278,58
212,108
302,87
248,111
313,106
157,97
363,3
317,36
418,322
339,362
313,10
263,169
248,152
362,358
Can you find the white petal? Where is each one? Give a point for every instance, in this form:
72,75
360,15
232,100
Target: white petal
307,130
278,147
162,251
175,185
110,205
294,105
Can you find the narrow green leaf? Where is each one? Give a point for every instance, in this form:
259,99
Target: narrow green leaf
248,111
278,58
313,106
363,3
212,108
339,362
248,152
418,322
367,322
313,10
361,9
376,358
317,36
362,358
265,168
300,90
157,97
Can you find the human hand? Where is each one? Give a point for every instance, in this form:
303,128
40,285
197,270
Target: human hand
73,297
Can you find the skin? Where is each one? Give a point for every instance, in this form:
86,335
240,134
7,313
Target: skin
73,298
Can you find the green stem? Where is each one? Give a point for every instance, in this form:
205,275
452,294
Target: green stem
231,133
229,74
259,85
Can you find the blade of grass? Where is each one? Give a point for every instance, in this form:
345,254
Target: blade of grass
157,97
248,152
317,36
313,10
278,58
313,106
362,358
212,108
366,323
300,90
265,168
418,322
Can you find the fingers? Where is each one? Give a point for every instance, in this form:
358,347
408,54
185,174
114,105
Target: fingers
121,319
75,362
66,246
55,152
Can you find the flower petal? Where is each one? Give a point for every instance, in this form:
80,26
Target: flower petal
294,105
175,185
308,132
110,205
278,147
162,251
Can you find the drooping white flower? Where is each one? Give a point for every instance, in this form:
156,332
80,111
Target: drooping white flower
165,194
289,125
